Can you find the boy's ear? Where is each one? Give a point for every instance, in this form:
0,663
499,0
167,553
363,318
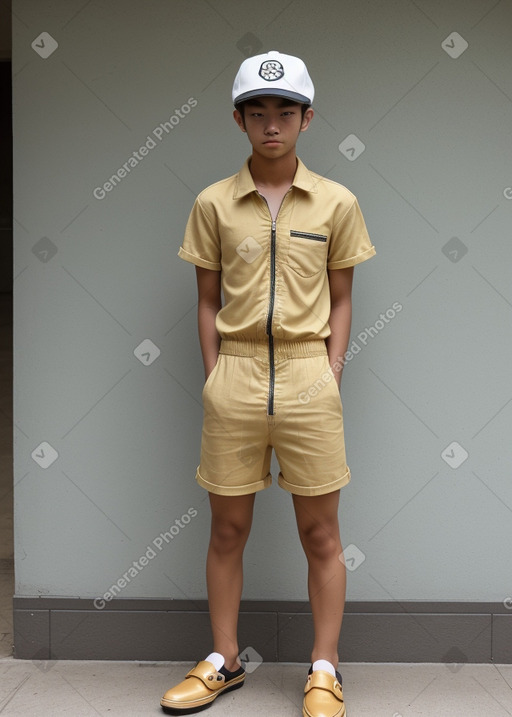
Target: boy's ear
239,120
308,116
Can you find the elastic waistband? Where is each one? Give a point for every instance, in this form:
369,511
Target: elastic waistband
282,349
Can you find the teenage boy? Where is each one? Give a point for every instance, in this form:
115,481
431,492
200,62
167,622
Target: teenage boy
280,242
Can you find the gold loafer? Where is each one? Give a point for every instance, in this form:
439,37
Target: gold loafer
201,686
323,695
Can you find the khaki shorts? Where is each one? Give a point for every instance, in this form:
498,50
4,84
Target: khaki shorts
305,429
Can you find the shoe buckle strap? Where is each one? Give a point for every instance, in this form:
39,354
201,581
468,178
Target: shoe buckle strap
324,681
208,675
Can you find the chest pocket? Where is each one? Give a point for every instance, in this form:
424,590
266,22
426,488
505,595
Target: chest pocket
308,252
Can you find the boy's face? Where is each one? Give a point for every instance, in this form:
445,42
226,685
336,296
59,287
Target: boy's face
273,124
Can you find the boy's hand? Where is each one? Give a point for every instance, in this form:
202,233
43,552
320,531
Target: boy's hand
208,306
340,318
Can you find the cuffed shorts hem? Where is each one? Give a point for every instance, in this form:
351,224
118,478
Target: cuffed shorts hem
314,490
233,489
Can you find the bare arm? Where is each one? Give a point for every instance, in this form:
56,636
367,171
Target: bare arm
340,318
209,304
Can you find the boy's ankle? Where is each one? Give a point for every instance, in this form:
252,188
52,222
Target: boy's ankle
334,661
231,662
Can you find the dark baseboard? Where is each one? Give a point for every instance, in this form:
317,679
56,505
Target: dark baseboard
274,631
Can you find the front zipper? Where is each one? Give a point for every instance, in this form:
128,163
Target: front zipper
270,315
272,370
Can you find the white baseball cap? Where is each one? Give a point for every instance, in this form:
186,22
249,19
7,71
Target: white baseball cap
273,74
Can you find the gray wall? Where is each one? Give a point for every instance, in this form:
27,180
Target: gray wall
95,278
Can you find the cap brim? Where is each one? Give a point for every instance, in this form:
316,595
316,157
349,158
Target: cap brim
286,94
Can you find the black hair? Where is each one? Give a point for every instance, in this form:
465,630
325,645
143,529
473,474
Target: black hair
241,108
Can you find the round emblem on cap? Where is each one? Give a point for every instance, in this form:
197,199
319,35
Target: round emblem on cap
271,70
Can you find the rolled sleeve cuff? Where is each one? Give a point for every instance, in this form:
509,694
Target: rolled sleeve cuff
198,261
352,261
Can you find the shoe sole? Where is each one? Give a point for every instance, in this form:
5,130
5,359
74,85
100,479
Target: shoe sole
200,705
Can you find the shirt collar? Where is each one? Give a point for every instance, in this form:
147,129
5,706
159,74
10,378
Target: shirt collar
245,183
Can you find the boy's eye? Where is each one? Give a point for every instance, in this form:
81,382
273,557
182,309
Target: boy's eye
286,113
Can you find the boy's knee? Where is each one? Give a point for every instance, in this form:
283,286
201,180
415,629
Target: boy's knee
228,535
320,542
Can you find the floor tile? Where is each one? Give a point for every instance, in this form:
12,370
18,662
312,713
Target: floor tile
273,690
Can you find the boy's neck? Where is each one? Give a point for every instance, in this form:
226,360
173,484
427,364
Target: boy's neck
273,172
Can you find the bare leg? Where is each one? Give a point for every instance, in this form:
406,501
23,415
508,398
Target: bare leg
230,528
317,523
